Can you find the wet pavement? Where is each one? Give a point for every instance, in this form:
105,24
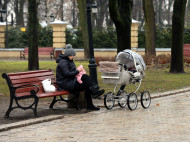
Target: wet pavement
167,119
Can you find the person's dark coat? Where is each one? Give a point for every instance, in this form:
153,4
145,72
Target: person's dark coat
65,73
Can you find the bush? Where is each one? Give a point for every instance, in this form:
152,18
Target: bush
163,38
105,38
102,38
45,37
19,39
74,37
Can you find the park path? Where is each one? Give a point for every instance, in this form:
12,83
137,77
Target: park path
167,119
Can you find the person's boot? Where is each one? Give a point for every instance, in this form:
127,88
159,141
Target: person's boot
96,92
92,108
90,105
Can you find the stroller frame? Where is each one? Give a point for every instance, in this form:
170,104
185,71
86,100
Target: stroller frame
128,99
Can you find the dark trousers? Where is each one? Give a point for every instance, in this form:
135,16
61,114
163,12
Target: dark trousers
85,86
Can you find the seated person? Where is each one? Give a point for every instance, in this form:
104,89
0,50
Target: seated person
66,78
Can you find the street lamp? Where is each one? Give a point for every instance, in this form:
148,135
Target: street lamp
92,63
51,18
165,23
2,15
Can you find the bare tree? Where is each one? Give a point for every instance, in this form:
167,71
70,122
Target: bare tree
33,60
188,14
149,16
177,65
120,12
84,27
102,8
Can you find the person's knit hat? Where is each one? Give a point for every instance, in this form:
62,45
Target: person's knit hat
69,51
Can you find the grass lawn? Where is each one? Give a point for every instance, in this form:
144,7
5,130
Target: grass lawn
156,80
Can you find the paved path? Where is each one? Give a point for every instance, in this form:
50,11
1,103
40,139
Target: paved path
167,120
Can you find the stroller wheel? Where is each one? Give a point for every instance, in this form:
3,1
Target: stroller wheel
122,99
109,100
132,101
145,99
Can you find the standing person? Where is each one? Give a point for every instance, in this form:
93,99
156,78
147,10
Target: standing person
66,77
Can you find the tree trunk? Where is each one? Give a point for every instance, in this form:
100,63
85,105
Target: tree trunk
102,5
62,12
188,14
84,27
74,15
120,13
160,12
149,16
21,12
33,61
169,11
17,13
177,65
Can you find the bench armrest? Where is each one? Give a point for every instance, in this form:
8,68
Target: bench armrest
52,52
21,51
32,92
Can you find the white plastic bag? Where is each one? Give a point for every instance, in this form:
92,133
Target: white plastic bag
47,85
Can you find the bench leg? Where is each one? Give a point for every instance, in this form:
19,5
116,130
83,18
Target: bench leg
52,103
22,56
35,107
76,101
9,109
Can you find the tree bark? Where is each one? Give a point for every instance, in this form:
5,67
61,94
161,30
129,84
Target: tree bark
33,61
120,13
21,12
84,27
149,16
74,14
177,65
188,14
160,12
102,6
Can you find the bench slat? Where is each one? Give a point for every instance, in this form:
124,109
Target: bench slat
28,89
57,93
30,80
28,72
32,75
22,94
53,81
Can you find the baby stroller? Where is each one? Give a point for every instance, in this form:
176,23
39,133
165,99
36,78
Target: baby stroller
128,69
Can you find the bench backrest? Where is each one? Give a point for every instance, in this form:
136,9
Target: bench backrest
186,50
45,50
29,77
25,50
42,50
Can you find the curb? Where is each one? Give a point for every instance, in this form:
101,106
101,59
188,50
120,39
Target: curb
169,93
7,127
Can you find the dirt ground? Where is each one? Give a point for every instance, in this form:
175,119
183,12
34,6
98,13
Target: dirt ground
18,114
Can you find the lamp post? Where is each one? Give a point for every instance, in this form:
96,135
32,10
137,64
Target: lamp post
51,18
92,63
2,15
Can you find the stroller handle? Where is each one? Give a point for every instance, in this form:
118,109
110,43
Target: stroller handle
125,66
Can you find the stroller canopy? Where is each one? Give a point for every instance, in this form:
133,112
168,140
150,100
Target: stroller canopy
130,59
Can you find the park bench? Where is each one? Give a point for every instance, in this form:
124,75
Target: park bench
41,51
25,85
186,50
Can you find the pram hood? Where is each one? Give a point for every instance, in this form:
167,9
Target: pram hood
130,58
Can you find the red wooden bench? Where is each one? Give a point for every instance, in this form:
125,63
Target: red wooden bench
186,50
25,85
41,51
